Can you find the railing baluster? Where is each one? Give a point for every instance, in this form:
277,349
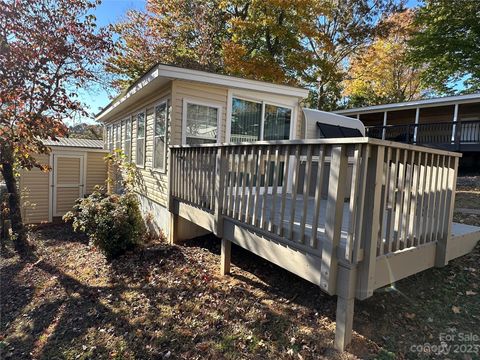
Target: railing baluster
284,190
242,216
276,174
294,192
263,219
249,215
306,190
257,187
238,179
318,195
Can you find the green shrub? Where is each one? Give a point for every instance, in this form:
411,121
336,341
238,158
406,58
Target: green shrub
112,222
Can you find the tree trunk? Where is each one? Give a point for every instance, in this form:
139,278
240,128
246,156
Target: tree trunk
19,234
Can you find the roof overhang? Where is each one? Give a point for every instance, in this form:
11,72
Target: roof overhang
161,74
442,101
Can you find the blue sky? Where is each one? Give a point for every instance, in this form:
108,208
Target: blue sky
110,12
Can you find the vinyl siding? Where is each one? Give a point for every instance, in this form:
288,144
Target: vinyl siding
96,170
151,183
34,190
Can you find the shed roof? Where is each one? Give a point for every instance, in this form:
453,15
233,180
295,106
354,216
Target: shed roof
75,143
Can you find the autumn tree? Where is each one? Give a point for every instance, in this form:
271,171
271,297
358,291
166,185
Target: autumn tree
181,32
86,131
48,49
380,73
447,43
299,42
265,39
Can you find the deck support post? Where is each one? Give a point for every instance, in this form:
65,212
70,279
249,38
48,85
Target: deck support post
226,255
346,283
173,233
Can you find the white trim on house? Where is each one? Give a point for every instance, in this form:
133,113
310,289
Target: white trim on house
442,101
162,169
171,72
194,101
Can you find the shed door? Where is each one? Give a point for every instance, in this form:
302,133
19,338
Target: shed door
68,182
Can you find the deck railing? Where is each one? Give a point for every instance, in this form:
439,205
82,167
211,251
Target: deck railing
345,200
440,133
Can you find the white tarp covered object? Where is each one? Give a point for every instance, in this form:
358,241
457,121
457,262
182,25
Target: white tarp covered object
312,117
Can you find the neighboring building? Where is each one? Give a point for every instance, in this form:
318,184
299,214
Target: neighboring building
174,106
77,165
450,123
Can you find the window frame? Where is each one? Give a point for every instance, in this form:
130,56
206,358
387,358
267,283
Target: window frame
259,100
118,135
144,112
128,123
167,116
110,141
187,101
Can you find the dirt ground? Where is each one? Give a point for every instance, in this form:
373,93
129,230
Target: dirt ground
162,301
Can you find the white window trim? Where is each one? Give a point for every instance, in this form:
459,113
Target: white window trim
118,135
129,122
164,167
144,112
231,95
187,101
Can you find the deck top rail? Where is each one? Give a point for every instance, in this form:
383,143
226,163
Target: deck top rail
339,201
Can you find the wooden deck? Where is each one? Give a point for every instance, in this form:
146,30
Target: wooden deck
349,215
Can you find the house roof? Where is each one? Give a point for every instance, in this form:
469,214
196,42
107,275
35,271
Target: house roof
164,72
441,101
75,143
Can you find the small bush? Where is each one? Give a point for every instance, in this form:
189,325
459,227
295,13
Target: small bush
113,223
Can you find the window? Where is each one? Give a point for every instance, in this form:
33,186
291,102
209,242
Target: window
110,137
246,121
160,136
140,150
247,124
127,149
118,140
277,123
200,123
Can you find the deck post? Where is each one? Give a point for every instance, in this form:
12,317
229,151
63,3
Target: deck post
371,222
441,254
173,231
220,170
346,283
226,254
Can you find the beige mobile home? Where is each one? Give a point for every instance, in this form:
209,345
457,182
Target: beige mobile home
176,106
77,165
226,155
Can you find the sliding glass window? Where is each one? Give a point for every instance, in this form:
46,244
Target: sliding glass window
247,125
277,123
246,121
